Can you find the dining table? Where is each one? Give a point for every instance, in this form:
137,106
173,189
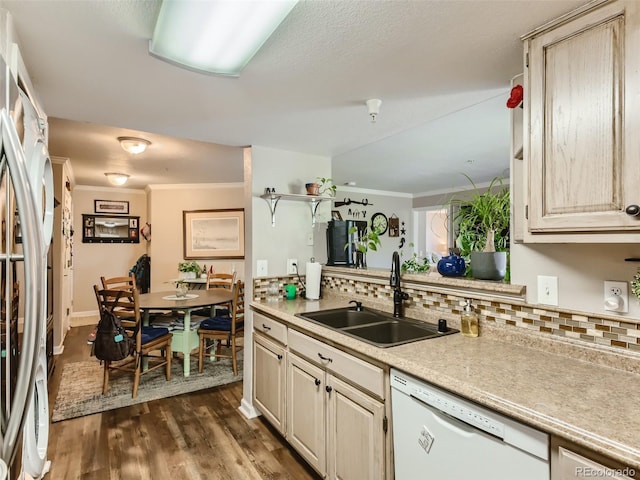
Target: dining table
183,341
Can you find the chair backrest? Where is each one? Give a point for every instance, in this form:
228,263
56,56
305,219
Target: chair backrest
221,280
126,306
237,310
121,283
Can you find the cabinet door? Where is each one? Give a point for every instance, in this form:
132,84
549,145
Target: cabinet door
306,411
571,466
355,442
269,380
583,112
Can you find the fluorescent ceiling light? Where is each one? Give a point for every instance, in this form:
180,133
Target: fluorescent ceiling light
215,36
117,179
134,145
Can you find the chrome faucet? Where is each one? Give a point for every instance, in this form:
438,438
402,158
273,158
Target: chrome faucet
394,281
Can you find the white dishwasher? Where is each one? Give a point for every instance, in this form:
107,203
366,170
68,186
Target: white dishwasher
439,436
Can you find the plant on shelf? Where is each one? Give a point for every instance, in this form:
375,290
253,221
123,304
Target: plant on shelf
415,264
482,222
635,285
188,269
325,185
363,241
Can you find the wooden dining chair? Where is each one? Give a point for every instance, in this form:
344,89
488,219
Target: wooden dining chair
217,280
225,328
147,339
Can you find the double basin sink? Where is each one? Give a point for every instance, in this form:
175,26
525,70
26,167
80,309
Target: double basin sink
376,327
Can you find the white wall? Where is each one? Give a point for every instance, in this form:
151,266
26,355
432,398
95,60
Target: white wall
166,204
92,260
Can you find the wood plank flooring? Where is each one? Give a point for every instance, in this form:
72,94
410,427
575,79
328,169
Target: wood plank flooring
199,435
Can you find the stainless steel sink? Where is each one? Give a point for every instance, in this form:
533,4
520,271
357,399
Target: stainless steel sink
375,327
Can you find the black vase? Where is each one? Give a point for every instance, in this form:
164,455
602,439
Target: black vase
361,259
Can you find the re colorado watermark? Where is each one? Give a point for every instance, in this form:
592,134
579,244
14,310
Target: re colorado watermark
589,472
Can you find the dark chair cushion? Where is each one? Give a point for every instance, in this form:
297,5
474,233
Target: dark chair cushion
216,323
151,333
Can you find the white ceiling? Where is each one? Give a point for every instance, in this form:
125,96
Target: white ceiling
441,68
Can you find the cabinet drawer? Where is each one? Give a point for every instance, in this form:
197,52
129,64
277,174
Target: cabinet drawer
270,328
357,371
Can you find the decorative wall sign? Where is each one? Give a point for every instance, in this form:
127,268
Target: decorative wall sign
111,206
109,229
213,234
394,226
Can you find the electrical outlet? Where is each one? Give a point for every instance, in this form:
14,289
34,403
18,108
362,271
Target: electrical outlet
547,290
616,296
291,266
262,268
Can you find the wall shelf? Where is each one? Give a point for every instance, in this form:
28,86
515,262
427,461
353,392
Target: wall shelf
313,201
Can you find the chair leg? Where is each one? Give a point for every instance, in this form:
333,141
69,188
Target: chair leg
168,357
201,345
234,360
136,377
105,378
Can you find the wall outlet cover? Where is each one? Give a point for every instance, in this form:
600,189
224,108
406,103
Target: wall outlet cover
262,268
291,266
616,296
547,290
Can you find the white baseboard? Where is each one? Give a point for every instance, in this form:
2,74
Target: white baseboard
58,350
82,319
248,410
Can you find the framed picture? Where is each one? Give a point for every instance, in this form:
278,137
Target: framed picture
111,206
335,215
213,234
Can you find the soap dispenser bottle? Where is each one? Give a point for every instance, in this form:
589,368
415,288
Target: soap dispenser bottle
469,321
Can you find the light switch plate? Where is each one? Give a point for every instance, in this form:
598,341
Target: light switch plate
547,290
262,268
310,239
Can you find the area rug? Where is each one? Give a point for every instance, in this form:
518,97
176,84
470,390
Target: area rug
80,391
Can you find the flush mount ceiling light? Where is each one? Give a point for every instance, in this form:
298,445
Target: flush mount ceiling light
134,145
218,37
117,179
374,108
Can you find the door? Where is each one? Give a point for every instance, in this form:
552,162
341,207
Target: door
306,411
355,437
269,367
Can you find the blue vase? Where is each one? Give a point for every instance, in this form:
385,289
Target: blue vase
451,266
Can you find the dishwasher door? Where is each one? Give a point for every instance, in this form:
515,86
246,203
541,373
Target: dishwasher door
430,444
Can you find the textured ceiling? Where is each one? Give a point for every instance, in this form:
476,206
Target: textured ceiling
441,68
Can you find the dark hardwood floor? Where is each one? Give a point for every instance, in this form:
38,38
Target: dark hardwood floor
199,435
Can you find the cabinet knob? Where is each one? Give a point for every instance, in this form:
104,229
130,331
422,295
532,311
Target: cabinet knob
317,382
279,357
632,210
328,389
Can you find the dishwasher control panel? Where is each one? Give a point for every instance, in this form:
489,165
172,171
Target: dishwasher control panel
458,410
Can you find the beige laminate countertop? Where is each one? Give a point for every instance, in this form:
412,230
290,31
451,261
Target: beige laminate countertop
593,405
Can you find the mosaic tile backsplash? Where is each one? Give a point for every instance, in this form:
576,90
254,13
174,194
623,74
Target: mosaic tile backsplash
590,328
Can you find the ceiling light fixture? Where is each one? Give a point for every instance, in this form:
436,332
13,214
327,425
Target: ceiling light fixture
117,179
374,108
134,145
218,37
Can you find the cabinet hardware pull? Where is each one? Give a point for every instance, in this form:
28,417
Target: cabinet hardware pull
265,327
328,389
632,210
317,382
322,357
279,357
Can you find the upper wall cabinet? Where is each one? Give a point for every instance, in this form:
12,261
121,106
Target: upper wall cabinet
582,111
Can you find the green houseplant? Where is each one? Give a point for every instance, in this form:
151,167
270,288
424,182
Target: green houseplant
188,269
363,241
482,224
415,264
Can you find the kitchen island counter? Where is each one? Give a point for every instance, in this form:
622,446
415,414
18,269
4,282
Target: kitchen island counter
538,381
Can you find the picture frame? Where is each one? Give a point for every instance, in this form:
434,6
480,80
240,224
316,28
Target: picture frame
111,207
335,215
209,234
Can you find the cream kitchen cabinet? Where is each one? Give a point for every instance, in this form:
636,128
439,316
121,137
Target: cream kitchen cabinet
571,462
338,426
269,369
582,115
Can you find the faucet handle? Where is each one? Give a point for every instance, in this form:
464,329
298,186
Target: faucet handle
358,305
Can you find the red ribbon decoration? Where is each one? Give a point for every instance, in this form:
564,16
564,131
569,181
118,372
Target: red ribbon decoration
517,94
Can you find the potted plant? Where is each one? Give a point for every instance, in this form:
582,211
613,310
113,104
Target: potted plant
188,270
415,264
482,222
323,185
363,241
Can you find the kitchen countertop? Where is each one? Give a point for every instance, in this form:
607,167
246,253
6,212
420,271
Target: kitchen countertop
590,404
